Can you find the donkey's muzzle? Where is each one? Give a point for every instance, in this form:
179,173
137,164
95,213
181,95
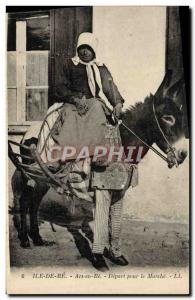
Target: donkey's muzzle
181,155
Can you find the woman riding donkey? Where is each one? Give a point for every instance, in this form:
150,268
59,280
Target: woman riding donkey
88,89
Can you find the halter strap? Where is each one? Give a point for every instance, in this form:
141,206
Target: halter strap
172,149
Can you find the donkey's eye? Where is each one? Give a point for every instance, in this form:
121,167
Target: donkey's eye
168,119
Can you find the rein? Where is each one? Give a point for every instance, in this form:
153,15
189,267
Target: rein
150,147
131,131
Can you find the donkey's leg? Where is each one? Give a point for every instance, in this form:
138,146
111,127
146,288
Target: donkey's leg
17,189
87,230
34,226
23,235
36,198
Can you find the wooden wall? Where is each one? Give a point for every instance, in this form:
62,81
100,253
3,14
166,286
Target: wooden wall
66,25
174,54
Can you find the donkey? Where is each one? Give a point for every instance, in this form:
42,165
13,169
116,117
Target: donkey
156,120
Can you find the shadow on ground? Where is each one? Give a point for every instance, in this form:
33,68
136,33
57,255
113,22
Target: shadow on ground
144,244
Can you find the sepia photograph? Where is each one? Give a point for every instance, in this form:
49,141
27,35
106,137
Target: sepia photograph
98,141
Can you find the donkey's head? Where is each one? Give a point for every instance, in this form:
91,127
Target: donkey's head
168,112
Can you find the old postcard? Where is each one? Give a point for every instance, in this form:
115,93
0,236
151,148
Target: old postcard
98,103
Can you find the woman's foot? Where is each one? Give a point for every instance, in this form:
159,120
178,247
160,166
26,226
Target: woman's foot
118,260
99,263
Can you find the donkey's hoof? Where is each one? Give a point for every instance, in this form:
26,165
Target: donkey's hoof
25,244
38,241
49,243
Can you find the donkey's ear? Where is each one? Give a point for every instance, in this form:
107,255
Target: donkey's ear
175,89
162,90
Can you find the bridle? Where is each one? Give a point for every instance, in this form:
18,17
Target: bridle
170,148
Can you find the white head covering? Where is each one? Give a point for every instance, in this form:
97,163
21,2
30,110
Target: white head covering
88,38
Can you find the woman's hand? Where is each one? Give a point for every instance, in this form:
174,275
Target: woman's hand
81,105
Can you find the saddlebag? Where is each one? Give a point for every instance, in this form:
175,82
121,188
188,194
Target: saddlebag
117,176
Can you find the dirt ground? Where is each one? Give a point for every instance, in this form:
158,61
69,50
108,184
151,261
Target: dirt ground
143,243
